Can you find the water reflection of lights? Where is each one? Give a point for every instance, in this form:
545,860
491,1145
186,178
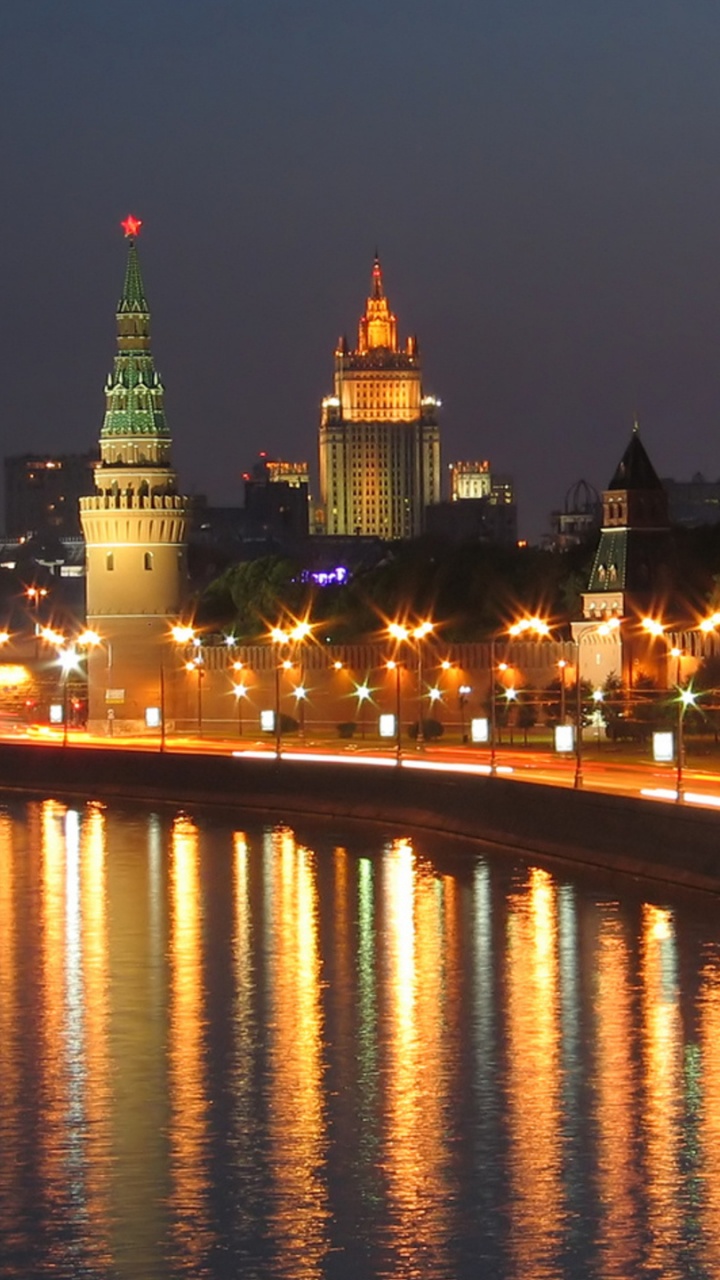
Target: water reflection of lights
10,1214
661,1115
616,1101
296,1121
538,1197
417,1081
188,1098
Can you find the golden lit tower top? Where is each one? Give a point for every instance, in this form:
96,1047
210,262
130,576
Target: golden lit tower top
378,326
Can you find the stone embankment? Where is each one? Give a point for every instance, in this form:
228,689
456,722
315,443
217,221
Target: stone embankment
672,843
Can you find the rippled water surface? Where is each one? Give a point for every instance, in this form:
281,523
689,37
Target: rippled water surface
230,1049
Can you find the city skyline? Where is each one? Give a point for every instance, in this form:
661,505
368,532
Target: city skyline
541,186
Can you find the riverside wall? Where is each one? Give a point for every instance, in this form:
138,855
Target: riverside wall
667,842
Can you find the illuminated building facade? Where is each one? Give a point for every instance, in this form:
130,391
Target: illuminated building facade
379,444
470,480
135,524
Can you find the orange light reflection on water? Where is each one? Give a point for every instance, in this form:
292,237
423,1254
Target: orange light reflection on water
98,1163
709,1128
663,1090
616,1093
417,1084
296,1121
534,1080
51,1016
9,1065
188,1097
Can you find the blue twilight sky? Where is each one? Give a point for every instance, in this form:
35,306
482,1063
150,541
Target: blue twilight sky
542,178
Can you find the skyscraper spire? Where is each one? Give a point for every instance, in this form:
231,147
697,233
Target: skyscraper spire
378,326
377,280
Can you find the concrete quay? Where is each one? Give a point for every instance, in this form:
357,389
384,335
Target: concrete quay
676,844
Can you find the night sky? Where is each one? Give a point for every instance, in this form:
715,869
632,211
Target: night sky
542,179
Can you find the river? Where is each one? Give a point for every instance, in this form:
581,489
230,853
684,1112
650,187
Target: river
298,1050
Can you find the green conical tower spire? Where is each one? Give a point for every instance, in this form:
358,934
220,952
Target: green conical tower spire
134,393
133,294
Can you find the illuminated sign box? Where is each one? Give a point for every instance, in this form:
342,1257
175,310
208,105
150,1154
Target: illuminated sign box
267,721
153,719
564,737
56,713
664,747
387,726
479,730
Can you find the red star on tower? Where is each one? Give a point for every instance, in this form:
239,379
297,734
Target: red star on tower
131,226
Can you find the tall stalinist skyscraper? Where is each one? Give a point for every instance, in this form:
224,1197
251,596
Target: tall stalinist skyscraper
135,525
379,439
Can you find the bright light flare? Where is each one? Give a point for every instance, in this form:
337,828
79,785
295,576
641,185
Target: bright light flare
653,626
182,634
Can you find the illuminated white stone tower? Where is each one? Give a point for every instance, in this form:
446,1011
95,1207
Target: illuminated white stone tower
135,525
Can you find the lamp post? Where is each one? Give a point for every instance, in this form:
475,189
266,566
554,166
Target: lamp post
686,699
593,629
240,692
183,635
562,666
362,693
392,665
283,637
401,633
531,626
35,595
196,664
162,707
68,659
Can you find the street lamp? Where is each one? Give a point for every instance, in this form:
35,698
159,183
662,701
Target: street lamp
240,692
418,633
196,664
395,666
593,629
68,659
283,637
562,666
363,695
685,699
531,626
464,691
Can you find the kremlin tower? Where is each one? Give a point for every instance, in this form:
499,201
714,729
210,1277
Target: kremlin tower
379,442
135,525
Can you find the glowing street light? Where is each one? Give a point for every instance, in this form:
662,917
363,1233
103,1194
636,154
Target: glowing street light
196,664
592,629
283,637
182,633
241,692
363,693
69,660
395,666
418,633
686,698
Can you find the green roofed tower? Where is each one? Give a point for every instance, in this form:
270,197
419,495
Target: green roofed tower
135,524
